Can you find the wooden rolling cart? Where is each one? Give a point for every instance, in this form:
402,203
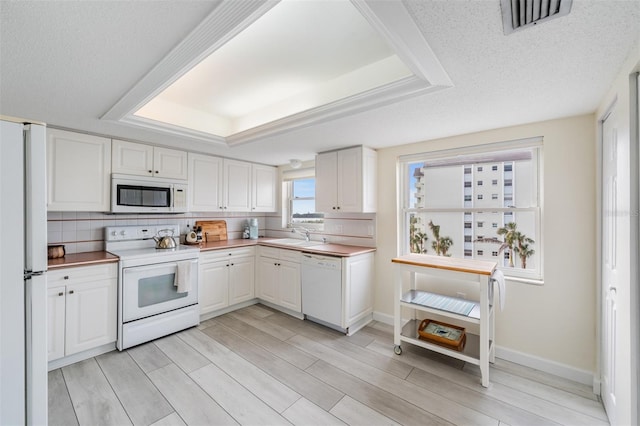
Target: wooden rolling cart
479,349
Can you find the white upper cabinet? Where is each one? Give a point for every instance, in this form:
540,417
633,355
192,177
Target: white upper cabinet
263,192
78,172
205,183
346,181
237,186
217,184
145,160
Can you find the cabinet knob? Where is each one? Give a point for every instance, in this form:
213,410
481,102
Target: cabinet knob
70,291
338,207
66,277
61,294
157,172
334,207
232,264
150,171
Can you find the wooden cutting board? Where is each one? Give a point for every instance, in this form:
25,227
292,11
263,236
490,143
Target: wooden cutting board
213,230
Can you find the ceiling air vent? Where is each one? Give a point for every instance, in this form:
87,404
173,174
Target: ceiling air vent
519,14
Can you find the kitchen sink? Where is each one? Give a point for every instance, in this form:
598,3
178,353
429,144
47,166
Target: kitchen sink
293,242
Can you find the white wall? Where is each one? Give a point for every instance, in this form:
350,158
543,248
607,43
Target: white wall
556,321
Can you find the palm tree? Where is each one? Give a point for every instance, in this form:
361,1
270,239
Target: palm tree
523,248
510,237
441,245
417,238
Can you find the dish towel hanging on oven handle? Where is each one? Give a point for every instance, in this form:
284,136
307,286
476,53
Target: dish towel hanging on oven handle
498,278
182,278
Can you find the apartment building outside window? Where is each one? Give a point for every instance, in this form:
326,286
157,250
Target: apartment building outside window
513,211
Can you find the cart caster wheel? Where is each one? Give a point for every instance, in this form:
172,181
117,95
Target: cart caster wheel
397,350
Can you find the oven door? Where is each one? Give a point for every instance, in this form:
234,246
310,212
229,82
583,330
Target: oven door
149,290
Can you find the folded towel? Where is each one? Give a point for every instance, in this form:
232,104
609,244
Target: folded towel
182,279
498,277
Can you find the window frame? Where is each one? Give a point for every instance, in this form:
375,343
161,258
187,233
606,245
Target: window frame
533,276
288,199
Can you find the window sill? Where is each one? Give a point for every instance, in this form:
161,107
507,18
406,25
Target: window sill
524,280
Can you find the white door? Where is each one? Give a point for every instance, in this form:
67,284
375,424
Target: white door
90,315
169,163
237,176
327,182
350,180
267,272
241,279
205,183
131,158
289,292
616,267
263,188
55,322
212,290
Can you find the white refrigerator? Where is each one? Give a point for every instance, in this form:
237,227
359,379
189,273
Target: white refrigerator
23,285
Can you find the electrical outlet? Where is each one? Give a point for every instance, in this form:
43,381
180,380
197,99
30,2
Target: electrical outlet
461,295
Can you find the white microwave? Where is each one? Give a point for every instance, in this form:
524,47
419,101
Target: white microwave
142,194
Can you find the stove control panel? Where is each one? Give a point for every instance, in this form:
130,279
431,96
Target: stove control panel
139,232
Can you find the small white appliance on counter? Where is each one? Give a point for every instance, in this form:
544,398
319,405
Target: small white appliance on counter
157,287
23,289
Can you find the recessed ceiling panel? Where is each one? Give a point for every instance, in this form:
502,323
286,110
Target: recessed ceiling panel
297,56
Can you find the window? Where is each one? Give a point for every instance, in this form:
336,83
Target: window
467,170
479,183
494,182
467,184
468,253
301,203
480,252
516,213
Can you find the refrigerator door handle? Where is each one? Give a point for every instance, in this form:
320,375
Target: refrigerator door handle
35,198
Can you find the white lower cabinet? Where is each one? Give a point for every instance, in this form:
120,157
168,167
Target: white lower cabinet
279,278
225,278
82,309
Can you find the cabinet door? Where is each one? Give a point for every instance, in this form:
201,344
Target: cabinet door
267,279
289,286
212,286
241,279
326,182
205,183
349,180
237,178
131,158
55,322
90,315
358,273
263,188
78,172
170,163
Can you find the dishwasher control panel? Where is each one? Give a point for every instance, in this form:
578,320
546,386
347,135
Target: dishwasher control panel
322,261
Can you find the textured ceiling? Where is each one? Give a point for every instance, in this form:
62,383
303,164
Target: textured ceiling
66,63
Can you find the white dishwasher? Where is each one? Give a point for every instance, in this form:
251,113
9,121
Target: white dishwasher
322,289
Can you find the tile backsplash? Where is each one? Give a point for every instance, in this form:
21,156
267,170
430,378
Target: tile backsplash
83,232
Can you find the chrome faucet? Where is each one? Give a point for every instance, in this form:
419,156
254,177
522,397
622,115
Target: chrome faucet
305,232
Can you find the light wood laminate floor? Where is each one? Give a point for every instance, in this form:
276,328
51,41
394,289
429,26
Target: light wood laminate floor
257,366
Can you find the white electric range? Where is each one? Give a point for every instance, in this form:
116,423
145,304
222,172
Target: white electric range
149,303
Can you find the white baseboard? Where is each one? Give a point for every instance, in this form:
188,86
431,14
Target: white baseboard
531,361
548,366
